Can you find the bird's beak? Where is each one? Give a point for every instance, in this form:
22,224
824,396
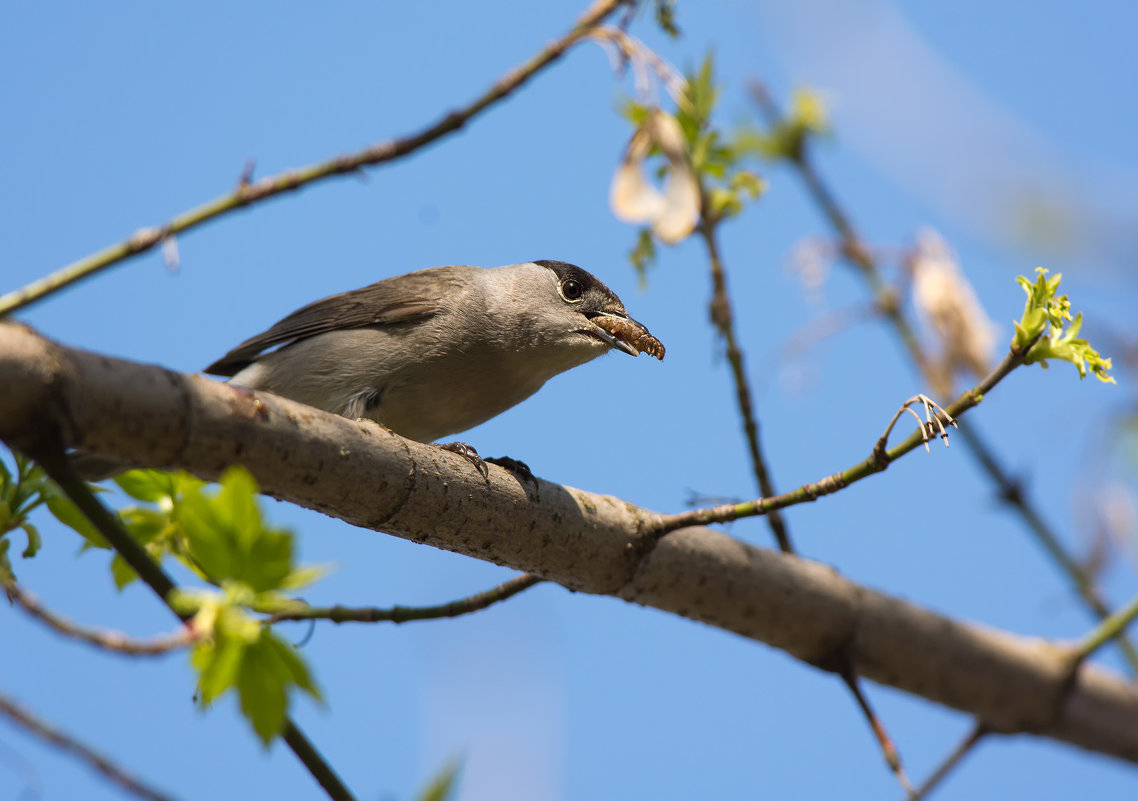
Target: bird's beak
624,333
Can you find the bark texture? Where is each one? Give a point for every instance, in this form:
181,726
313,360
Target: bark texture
367,476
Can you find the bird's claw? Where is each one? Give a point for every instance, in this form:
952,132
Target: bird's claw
471,455
515,466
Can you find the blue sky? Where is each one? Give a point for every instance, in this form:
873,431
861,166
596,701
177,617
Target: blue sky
1011,134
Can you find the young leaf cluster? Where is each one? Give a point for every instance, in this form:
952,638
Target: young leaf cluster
222,537
786,139
23,491
726,186
1046,316
717,158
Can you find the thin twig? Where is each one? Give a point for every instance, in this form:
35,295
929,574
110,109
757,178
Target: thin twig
402,614
888,749
66,742
246,194
857,254
951,761
114,641
54,461
723,319
1109,629
876,462
930,425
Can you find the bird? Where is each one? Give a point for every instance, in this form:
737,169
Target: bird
435,352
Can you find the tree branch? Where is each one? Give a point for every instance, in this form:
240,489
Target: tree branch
45,446
367,476
403,614
857,254
114,641
723,319
247,193
878,460
66,742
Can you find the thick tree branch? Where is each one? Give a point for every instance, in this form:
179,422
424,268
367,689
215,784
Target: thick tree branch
853,249
249,192
367,476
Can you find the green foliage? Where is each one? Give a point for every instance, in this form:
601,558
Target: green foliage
242,654
21,493
666,17
443,785
787,138
229,540
1045,310
716,158
154,526
643,255
221,535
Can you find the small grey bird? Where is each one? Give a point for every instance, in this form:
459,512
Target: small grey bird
432,353
435,352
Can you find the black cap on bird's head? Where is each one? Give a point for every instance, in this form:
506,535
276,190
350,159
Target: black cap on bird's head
609,319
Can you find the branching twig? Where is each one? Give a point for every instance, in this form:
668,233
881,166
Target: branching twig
935,418
66,742
114,641
884,741
876,462
246,194
587,542
855,251
951,761
402,614
54,461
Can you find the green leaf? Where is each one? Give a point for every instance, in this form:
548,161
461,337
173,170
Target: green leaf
294,667
261,683
144,525
69,515
443,784
218,664
121,572
303,576
35,542
6,574
146,485
228,538
666,17
643,254
1043,321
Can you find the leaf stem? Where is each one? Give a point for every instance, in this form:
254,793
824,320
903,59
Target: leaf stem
65,742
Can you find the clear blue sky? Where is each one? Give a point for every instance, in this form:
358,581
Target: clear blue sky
968,117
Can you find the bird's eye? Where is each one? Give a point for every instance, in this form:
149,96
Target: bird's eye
572,290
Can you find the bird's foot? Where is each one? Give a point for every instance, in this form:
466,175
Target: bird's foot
471,455
515,466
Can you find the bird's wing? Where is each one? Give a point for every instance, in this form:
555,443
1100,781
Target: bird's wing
402,299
